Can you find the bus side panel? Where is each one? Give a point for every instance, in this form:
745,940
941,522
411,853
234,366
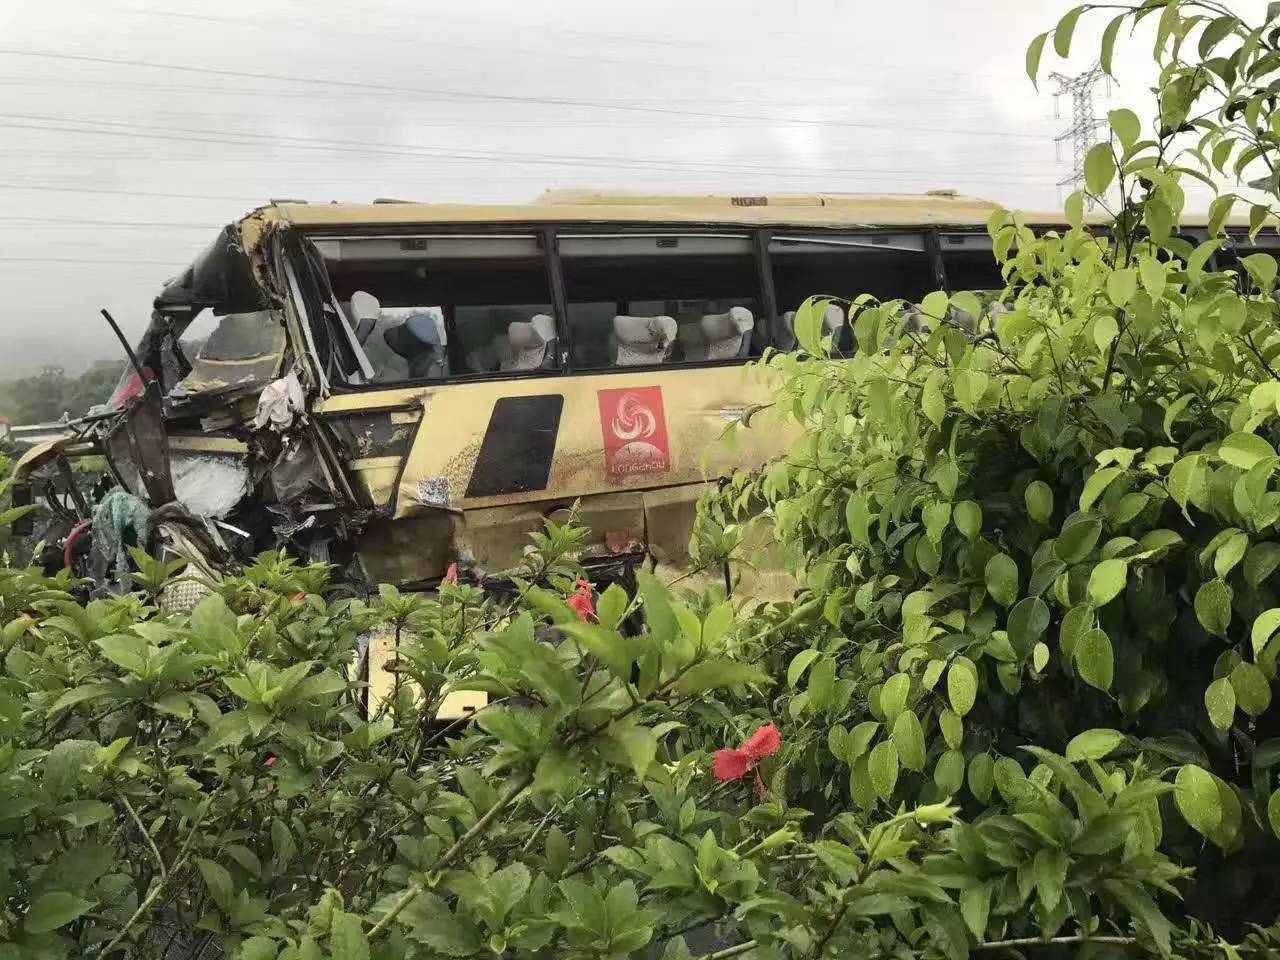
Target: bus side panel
522,441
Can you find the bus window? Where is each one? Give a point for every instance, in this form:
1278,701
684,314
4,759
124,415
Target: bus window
969,262
642,299
431,307
886,265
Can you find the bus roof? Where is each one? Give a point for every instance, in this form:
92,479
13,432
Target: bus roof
938,208
942,208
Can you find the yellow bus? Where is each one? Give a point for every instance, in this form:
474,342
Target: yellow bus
397,387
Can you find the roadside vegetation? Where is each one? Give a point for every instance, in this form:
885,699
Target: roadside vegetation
1020,705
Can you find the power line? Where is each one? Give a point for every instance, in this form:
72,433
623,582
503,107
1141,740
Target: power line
933,94
123,193
505,98
557,53
194,134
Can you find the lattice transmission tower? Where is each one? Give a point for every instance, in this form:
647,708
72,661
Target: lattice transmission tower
1082,130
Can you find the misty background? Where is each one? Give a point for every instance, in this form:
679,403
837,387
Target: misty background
130,130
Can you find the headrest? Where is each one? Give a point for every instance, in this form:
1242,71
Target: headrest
365,306
651,332
537,332
721,326
415,334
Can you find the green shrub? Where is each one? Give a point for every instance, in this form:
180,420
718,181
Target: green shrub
1020,705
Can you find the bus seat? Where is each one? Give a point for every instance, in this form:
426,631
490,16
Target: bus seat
532,343
643,340
728,334
483,359
693,342
834,318
787,331
417,339
365,312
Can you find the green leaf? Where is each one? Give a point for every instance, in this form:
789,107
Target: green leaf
639,744
839,859
1050,867
65,763
1185,479
1077,540
799,663
1243,450
1095,662
882,766
1253,691
1027,622
346,938
1074,209
1213,607
1263,629
1273,813
975,907
1093,744
608,646
1152,273
1107,580
53,910
857,517
1122,285
1176,407
1126,125
932,401
1230,553
1099,171
1105,330
1109,43
218,881
1196,794
719,673
1220,702
1063,31
257,948
1001,575
967,516
981,776
962,685
1260,562
908,737
893,696
435,925
952,728
808,325
948,773
1034,51
1039,499
1075,624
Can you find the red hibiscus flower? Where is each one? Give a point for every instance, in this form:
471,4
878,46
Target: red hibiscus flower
734,764
583,602
451,576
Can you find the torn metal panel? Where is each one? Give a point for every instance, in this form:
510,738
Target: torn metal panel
138,445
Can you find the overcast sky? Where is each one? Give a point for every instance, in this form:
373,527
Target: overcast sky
131,129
